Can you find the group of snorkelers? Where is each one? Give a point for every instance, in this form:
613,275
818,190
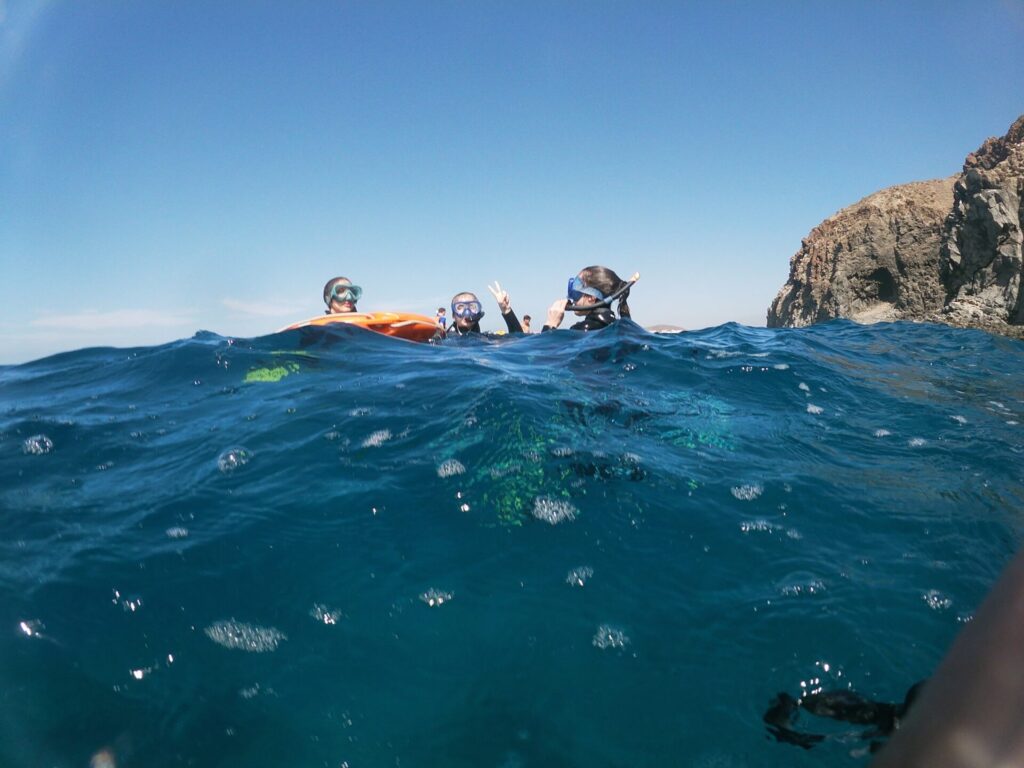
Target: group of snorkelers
590,295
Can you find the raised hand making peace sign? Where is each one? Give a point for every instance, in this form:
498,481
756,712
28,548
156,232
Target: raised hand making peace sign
500,296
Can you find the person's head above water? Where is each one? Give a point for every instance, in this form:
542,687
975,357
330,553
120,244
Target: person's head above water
593,285
340,295
466,310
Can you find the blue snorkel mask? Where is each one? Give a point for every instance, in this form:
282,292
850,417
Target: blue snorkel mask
577,290
467,310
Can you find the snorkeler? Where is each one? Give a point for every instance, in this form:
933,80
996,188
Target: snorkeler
591,294
340,296
467,312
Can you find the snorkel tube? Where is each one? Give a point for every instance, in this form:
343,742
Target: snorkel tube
607,300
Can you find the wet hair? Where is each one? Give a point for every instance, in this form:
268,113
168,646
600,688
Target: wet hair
466,296
527,318
607,282
441,309
329,287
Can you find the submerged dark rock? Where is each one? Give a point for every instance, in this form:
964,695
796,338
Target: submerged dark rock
948,250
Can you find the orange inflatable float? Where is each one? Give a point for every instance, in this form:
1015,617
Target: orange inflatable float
404,325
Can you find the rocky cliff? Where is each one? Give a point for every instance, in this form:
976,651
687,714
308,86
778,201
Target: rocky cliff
948,250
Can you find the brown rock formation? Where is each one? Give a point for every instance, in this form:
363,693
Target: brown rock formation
876,260
950,250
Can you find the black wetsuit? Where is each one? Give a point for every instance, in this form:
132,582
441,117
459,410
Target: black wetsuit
592,321
511,322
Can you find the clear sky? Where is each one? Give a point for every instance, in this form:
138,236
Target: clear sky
173,166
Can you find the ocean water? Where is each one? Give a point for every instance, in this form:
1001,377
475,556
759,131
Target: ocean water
338,549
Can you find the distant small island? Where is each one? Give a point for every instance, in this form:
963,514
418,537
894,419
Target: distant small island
949,251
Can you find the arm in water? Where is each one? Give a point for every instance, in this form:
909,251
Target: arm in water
971,712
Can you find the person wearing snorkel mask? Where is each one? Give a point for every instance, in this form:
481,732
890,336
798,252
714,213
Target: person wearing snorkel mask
590,294
467,312
340,296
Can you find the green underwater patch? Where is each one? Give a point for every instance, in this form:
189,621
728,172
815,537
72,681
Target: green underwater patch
270,374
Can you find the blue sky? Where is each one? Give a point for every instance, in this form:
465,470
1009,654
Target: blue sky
173,166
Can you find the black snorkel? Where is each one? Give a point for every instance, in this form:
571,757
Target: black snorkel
606,302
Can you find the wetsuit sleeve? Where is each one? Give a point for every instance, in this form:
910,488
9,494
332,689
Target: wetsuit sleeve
512,322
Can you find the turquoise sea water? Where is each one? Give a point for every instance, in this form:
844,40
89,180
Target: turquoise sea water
339,549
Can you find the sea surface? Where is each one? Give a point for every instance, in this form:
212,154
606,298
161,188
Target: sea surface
338,549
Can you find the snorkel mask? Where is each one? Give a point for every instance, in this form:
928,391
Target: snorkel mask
343,292
577,290
470,310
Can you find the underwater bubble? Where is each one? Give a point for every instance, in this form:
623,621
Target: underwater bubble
176,533
781,366
138,674
882,433
233,458
129,604
435,597
37,445
578,577
450,468
936,600
812,587
803,387
31,627
814,409
255,690
916,442
959,419
747,492
553,511
756,526
377,439
332,435
324,615
505,470
609,637
357,412
561,451
238,636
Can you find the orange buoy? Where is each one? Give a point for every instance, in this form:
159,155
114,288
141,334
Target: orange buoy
404,325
